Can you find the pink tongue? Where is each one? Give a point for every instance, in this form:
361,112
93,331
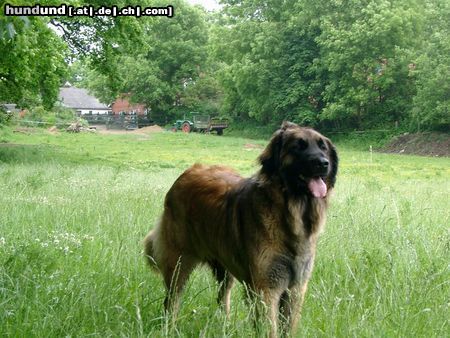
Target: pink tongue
317,187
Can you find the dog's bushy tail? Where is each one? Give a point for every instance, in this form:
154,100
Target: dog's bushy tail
149,249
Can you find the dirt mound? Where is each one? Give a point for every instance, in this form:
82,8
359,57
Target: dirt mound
150,129
425,144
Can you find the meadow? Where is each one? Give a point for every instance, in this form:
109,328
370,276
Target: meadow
75,208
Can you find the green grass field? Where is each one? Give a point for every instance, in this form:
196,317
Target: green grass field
75,208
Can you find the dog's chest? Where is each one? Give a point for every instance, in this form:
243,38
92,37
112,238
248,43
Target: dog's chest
286,271
305,217
293,264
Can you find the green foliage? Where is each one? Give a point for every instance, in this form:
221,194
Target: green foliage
251,129
5,116
172,57
58,116
32,62
83,74
63,114
432,103
166,70
38,114
364,53
33,59
333,64
203,95
264,60
363,141
337,65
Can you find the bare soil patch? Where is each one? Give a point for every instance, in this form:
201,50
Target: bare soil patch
53,130
101,129
25,130
424,144
251,146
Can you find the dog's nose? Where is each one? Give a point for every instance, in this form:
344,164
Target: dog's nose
324,162
321,163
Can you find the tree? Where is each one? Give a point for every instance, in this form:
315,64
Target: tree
202,95
365,50
171,59
32,62
83,74
431,105
331,64
167,69
101,41
268,54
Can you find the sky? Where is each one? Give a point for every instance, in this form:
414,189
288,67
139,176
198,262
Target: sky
208,4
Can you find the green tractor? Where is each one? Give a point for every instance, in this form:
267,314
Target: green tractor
201,124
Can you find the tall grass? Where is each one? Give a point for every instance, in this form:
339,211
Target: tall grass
76,207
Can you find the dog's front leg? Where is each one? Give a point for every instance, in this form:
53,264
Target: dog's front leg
267,309
272,300
290,307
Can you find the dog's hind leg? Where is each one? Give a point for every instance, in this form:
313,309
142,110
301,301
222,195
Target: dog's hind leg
226,281
176,271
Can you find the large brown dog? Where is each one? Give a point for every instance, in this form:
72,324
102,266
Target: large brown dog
260,230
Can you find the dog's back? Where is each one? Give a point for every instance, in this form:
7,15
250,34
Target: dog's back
192,217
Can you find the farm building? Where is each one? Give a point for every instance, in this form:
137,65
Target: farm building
79,100
123,105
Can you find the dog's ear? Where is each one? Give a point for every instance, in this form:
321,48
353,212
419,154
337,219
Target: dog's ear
270,157
287,125
334,160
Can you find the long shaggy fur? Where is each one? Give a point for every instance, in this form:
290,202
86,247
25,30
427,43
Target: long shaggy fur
260,230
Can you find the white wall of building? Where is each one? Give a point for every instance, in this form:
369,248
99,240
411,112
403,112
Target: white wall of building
93,111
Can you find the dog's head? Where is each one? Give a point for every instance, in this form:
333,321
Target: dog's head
304,160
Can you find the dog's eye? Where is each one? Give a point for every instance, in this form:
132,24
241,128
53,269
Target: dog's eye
322,145
302,144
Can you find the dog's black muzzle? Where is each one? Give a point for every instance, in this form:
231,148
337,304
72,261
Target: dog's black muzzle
319,166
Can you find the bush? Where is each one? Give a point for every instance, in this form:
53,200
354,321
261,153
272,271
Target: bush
42,118
36,114
63,115
5,117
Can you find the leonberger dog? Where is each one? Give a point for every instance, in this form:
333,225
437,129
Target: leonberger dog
260,230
